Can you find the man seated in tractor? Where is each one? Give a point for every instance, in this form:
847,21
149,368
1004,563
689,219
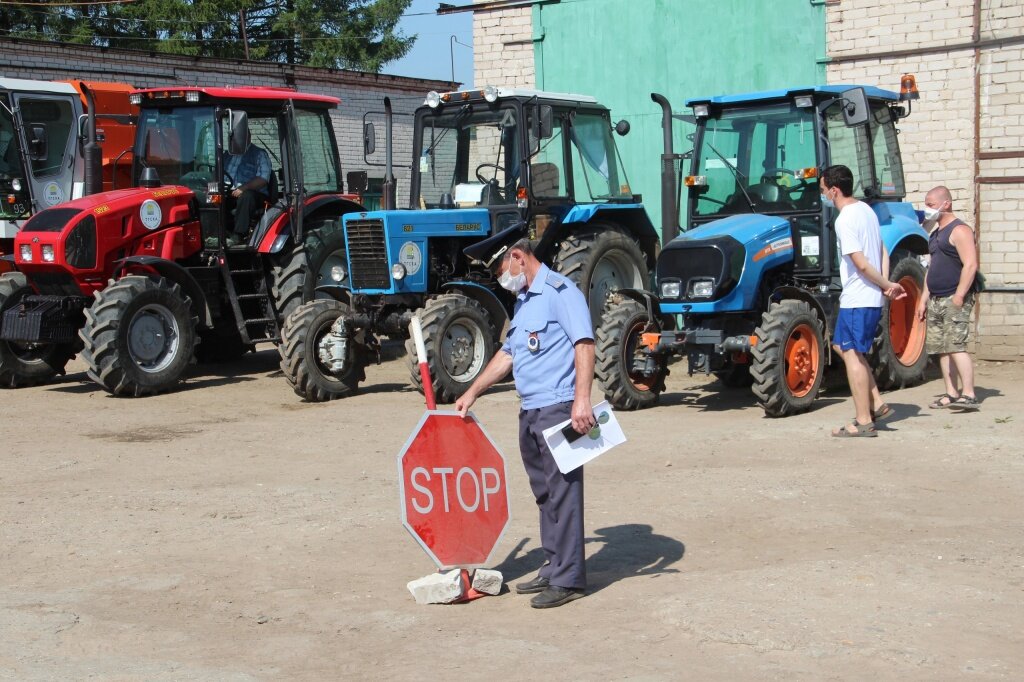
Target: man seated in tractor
249,174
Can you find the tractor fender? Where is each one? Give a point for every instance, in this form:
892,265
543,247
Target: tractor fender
826,306
177,274
339,293
647,299
901,229
322,206
485,297
632,217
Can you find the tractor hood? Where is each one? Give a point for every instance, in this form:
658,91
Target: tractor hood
747,229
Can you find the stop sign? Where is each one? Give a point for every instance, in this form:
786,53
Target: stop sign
453,487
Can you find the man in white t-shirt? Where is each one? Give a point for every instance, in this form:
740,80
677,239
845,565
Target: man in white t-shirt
860,304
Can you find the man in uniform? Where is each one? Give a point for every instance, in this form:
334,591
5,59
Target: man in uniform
550,350
250,174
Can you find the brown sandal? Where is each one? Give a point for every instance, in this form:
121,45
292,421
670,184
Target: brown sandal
863,430
942,402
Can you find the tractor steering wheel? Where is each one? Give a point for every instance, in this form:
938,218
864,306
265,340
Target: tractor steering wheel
482,166
771,173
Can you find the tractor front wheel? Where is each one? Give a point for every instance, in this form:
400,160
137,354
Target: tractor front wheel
305,338
898,355
459,338
27,364
319,260
601,259
788,359
139,336
618,347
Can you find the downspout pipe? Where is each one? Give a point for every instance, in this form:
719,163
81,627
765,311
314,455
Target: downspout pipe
669,210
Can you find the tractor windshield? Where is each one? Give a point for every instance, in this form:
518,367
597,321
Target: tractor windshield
12,174
753,161
179,143
473,153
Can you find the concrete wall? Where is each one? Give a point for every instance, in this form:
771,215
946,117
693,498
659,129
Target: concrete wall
360,92
966,132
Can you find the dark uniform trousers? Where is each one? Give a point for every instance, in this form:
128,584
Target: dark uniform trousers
559,497
246,207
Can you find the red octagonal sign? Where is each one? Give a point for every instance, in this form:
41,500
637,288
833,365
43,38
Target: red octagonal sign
454,490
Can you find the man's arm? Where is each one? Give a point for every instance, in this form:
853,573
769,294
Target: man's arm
496,370
963,239
868,270
262,179
582,410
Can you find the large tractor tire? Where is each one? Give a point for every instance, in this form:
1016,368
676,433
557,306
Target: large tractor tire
898,356
460,339
601,258
321,253
618,343
788,359
139,336
28,364
308,376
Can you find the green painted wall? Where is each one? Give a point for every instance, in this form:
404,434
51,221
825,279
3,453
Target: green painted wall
620,51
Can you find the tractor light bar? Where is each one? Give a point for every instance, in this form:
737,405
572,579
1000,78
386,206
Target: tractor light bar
192,96
806,173
490,94
433,99
701,110
26,253
701,288
804,102
135,99
47,253
671,289
397,272
696,181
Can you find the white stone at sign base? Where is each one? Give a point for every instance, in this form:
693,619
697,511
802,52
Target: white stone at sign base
443,587
487,581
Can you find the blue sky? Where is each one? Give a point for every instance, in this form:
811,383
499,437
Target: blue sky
431,56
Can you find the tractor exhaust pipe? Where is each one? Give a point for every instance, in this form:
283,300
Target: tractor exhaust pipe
388,190
92,155
669,210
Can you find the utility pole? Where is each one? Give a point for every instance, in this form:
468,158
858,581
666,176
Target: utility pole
245,39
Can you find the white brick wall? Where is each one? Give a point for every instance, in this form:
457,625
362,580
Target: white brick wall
503,48
938,140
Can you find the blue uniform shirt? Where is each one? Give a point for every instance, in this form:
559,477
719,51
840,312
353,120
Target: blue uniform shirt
550,317
245,167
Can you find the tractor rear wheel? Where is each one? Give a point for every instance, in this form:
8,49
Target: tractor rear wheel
601,258
898,355
319,260
618,345
788,359
29,363
460,340
139,336
301,336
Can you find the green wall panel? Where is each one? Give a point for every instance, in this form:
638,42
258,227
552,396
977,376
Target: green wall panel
620,51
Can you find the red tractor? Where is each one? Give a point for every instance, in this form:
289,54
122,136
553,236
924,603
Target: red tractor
141,280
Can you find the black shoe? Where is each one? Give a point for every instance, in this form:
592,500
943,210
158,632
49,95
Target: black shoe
555,596
538,584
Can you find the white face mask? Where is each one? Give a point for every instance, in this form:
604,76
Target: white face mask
513,283
931,217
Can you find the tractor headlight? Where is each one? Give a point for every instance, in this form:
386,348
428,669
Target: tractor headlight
433,99
491,94
16,184
338,273
671,289
192,96
398,272
135,99
701,288
26,253
47,253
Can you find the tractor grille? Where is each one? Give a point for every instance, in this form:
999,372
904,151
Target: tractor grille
720,258
367,254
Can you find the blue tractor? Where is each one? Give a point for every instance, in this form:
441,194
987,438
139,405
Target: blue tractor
483,161
750,291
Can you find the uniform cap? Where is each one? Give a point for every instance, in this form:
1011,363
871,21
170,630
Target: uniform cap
491,249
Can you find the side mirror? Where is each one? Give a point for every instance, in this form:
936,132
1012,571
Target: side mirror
546,120
369,138
622,128
37,147
855,107
238,141
358,181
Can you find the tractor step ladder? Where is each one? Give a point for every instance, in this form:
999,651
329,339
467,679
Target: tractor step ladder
246,282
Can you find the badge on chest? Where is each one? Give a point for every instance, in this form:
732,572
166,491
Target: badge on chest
533,342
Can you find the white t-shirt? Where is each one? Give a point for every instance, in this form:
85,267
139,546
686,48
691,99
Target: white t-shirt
858,230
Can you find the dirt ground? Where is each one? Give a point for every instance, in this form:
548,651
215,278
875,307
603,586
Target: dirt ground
230,532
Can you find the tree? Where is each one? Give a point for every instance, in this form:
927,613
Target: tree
348,34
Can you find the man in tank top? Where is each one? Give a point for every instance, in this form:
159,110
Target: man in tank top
948,298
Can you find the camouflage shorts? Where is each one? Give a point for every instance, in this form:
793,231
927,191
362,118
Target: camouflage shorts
948,326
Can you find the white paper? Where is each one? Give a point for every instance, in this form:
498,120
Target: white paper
569,456
468,193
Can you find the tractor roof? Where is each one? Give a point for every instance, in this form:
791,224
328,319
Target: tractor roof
475,94
22,85
265,94
787,93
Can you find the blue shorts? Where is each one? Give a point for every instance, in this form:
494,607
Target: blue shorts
856,327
